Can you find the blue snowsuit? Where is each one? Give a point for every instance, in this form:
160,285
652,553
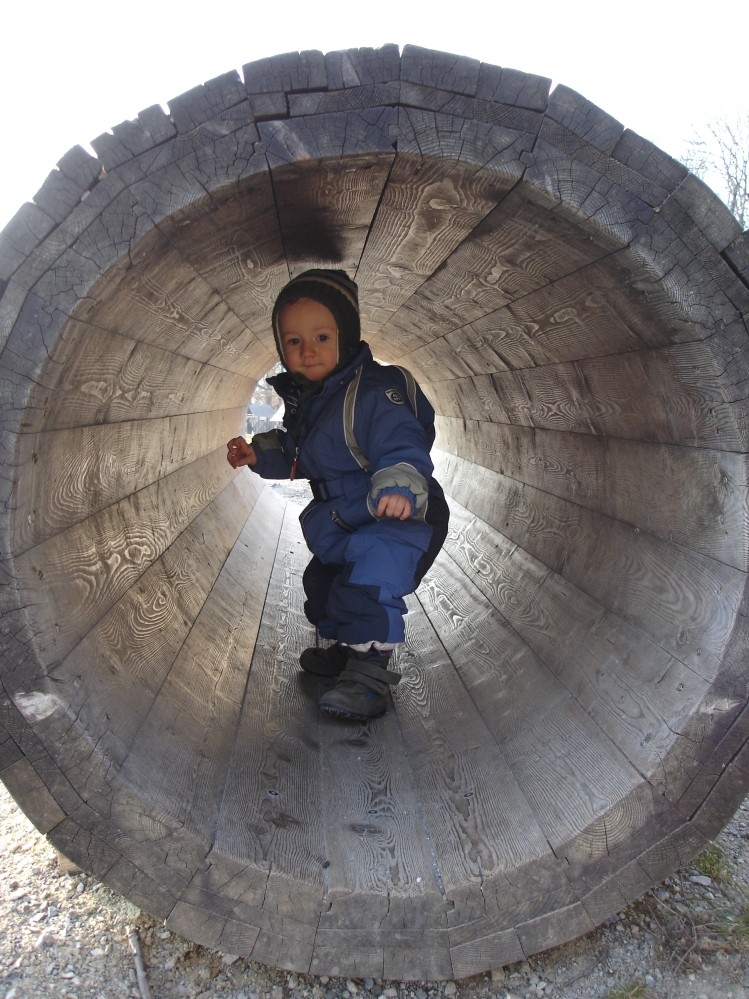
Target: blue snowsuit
366,434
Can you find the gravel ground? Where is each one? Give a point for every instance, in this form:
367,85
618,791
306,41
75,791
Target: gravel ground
64,935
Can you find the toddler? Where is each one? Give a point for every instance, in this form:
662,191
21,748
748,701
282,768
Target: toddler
361,433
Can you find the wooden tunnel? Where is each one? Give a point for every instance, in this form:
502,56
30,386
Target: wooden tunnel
572,723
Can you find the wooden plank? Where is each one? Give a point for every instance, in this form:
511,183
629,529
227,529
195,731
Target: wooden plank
32,794
566,772
134,646
613,214
208,101
178,178
652,396
494,951
498,114
477,832
257,932
179,759
211,930
159,299
394,955
292,71
237,248
720,737
427,210
71,474
329,174
515,250
88,568
385,905
439,69
682,600
692,497
101,377
271,815
554,928
640,696
352,98
362,66
511,86
564,321
150,128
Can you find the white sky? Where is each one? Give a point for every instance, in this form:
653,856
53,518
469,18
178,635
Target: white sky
71,70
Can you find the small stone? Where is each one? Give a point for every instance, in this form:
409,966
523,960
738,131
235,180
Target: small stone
451,989
45,939
498,974
231,958
351,987
701,879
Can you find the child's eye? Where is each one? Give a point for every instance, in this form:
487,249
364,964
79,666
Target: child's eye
292,341
322,337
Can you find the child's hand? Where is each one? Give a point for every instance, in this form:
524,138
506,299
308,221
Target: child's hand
240,453
394,505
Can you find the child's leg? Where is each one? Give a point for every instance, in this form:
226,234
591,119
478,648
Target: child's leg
317,579
327,661
366,602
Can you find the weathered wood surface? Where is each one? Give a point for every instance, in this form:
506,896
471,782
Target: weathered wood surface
572,723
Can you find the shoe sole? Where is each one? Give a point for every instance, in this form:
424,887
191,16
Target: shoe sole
350,715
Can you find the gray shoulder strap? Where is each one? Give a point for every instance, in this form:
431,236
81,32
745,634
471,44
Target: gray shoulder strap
349,405
410,387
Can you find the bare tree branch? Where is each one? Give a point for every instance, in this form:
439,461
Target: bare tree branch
719,155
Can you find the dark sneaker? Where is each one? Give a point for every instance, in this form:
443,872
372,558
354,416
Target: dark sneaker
325,662
360,692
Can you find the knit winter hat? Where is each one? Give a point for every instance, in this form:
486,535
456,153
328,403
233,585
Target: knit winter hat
337,292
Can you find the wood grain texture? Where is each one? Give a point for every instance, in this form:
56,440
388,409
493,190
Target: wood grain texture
634,482
103,377
75,473
571,724
683,601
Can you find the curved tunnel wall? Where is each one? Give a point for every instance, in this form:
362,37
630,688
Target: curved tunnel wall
572,721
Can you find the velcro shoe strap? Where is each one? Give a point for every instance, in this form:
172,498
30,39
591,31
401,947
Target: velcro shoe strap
363,670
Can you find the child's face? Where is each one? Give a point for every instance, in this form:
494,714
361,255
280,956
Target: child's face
309,337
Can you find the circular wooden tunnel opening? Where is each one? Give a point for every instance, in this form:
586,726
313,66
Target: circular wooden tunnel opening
571,723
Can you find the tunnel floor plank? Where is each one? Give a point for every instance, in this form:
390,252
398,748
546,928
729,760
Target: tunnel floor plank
184,746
